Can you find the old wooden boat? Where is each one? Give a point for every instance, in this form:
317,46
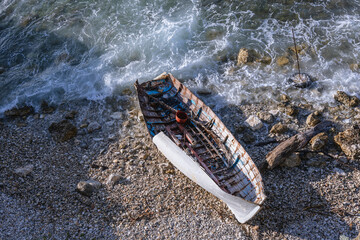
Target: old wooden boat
196,142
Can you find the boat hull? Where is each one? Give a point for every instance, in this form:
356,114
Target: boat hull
242,209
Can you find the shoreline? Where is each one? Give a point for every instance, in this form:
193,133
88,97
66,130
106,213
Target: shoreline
151,199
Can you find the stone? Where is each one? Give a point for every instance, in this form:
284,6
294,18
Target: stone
113,179
342,97
284,98
315,162
93,126
63,131
24,171
71,115
291,111
293,160
254,122
46,109
266,117
203,92
282,61
85,188
19,112
111,137
339,171
312,119
349,142
278,128
265,60
2,70
94,183
246,56
116,115
354,67
319,141
248,137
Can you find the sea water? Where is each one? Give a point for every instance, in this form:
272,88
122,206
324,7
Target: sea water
67,50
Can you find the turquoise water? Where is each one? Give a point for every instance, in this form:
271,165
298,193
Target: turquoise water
65,50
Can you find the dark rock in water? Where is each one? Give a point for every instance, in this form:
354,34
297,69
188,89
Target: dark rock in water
349,141
19,112
71,115
342,97
203,92
2,70
301,80
247,56
62,131
282,61
45,108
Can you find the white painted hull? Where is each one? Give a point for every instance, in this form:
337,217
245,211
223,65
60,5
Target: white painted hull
242,209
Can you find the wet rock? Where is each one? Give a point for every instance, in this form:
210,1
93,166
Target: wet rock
284,98
2,70
313,119
62,131
279,128
354,67
93,126
301,80
266,117
342,97
203,92
45,108
71,115
246,56
300,49
254,122
24,171
349,142
282,61
293,160
19,112
319,141
85,188
291,111
113,179
265,60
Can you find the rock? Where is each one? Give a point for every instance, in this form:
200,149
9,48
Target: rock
282,61
300,49
113,179
301,80
312,119
284,98
246,56
349,142
85,188
111,137
19,112
71,115
203,92
279,128
315,161
254,122
265,60
354,67
266,117
291,111
116,115
95,184
2,70
342,97
62,131
319,141
24,171
45,108
93,126
248,137
293,160
339,171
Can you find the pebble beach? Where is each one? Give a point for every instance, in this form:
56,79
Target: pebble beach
133,192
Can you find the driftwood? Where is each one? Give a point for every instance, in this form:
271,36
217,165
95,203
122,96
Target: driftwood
294,143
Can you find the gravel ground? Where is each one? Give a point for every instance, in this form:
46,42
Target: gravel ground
151,199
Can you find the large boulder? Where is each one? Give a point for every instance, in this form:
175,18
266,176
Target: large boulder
349,141
62,131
